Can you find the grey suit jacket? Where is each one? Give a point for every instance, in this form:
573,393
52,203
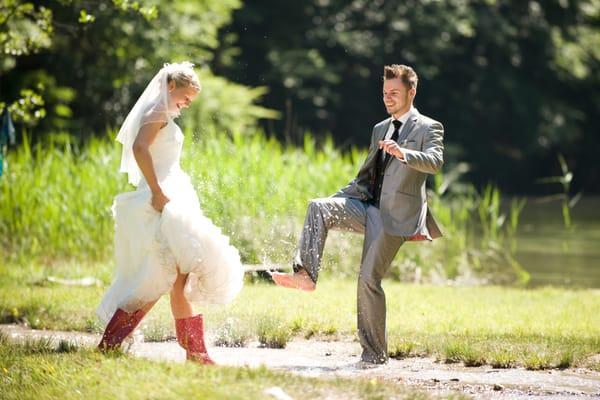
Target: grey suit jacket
403,202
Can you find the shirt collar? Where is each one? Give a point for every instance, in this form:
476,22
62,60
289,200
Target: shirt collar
404,117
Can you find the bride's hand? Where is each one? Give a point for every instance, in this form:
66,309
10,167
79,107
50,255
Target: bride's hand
159,200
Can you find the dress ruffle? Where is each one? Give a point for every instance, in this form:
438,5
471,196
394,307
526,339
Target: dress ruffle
150,246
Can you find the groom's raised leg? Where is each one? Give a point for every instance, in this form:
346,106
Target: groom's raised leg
322,215
378,252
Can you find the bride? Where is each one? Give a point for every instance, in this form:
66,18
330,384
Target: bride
163,242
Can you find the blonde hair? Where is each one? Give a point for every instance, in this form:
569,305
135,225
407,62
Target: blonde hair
406,74
183,75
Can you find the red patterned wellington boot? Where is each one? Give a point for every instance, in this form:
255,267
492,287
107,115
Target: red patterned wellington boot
190,336
119,326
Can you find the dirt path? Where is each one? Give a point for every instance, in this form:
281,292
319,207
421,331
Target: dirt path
330,359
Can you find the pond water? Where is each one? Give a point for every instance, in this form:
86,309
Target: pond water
555,255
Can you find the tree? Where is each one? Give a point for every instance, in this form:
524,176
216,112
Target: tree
514,82
95,58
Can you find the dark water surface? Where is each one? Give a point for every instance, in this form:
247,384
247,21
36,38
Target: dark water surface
555,255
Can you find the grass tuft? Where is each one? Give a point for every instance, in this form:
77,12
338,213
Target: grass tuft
403,349
502,359
233,333
66,346
42,345
537,361
273,332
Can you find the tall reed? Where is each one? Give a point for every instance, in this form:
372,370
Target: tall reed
565,180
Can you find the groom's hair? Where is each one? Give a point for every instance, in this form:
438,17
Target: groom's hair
406,74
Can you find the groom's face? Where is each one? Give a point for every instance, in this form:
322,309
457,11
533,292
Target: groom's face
397,98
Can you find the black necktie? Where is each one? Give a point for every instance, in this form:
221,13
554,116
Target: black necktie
395,134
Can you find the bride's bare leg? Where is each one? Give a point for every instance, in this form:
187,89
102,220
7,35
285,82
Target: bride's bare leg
180,307
148,306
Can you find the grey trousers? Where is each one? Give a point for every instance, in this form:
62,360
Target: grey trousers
379,249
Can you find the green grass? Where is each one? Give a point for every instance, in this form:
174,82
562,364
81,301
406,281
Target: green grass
499,326
272,331
234,332
37,371
55,200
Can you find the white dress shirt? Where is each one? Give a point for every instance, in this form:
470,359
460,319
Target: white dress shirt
403,118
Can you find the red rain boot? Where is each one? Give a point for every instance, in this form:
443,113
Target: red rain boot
190,335
120,325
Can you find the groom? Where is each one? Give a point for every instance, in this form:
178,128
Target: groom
387,202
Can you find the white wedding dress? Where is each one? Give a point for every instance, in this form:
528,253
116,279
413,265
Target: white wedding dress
150,246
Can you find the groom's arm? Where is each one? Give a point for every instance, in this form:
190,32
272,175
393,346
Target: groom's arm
431,159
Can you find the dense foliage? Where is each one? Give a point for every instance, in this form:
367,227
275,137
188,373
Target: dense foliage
514,82
76,66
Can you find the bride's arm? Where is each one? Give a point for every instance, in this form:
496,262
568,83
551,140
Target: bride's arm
141,152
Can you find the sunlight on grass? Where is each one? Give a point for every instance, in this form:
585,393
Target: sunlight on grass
503,327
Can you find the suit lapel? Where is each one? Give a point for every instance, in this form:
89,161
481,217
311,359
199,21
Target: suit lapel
411,123
384,129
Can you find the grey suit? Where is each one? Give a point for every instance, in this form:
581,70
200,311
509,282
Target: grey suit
402,215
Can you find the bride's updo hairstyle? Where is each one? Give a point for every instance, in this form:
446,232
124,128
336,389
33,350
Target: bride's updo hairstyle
183,75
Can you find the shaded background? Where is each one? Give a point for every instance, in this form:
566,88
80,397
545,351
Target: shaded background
515,82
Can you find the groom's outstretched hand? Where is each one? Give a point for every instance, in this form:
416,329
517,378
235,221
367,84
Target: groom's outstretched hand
391,147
